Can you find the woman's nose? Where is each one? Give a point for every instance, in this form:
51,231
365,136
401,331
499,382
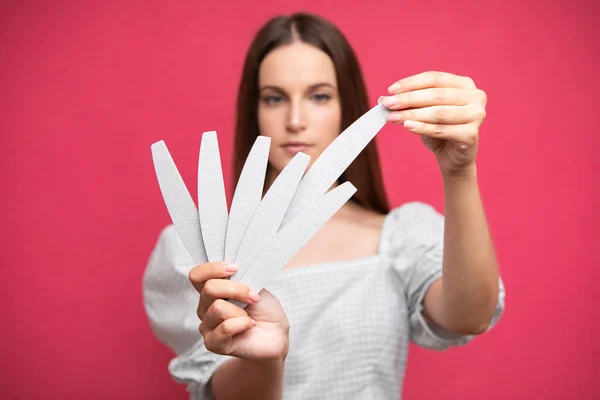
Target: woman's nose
297,118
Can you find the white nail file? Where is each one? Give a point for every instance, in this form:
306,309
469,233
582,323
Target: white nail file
269,214
180,204
212,204
247,196
285,220
336,158
291,238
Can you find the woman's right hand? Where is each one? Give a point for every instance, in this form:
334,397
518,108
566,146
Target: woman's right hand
257,333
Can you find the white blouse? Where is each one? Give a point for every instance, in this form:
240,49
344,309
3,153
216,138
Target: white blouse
350,321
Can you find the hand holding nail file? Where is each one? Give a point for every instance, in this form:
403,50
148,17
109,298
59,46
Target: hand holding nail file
260,236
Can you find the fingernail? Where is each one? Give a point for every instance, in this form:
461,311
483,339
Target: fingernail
231,267
253,296
390,101
253,322
394,117
394,88
380,99
410,124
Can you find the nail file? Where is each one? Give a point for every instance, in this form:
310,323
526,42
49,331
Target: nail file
336,158
247,196
180,204
212,204
308,210
269,214
285,244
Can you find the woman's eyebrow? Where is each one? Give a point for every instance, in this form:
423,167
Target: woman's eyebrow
310,88
271,87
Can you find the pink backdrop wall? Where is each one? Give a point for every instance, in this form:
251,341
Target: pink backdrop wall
87,87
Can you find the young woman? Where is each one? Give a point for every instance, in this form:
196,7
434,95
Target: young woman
336,322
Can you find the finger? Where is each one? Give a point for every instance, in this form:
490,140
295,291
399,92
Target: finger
429,97
219,311
202,273
224,289
450,115
431,79
219,340
204,304
466,133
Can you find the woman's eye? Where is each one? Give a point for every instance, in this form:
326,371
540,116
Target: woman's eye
321,97
272,100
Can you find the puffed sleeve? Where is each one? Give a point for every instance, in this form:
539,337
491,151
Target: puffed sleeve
414,241
170,302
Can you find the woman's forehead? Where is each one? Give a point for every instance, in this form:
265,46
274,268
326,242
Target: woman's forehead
296,65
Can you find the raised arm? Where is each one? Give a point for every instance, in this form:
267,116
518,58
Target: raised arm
447,111
255,336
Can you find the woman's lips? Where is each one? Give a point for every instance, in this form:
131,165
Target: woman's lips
294,148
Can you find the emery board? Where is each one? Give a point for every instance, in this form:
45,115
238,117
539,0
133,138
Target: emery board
212,204
269,214
180,204
261,234
336,158
247,195
290,239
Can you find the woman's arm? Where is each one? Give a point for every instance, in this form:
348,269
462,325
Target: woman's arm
256,337
243,379
464,299
447,110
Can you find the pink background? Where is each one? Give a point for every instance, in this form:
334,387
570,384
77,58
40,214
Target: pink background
86,88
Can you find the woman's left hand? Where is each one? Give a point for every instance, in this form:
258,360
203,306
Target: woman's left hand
446,110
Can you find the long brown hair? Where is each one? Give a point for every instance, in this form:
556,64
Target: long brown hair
364,172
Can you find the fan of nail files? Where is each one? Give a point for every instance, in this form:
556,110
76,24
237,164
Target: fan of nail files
260,234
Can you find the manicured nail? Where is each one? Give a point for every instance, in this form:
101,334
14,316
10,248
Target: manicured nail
394,88
231,267
253,296
394,117
390,101
410,124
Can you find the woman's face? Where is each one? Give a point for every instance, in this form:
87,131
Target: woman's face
299,107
